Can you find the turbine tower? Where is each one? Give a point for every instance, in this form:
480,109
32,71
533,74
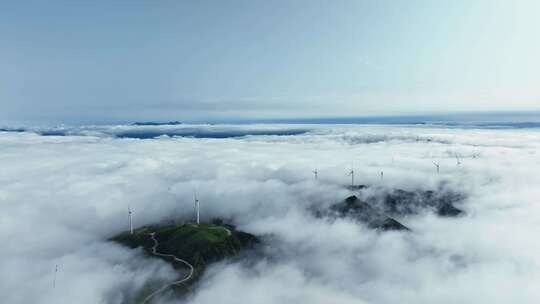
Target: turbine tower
458,161
382,175
351,173
130,217
438,166
316,173
55,271
196,206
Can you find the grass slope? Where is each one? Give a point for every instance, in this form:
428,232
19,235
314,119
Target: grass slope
198,244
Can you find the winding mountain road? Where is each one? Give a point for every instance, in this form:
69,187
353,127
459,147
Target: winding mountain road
191,269
154,252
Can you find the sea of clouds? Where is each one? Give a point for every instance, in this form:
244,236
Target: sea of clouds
62,197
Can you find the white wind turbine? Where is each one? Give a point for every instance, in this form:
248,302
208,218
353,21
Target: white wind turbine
55,272
130,217
316,173
196,206
351,173
458,161
438,166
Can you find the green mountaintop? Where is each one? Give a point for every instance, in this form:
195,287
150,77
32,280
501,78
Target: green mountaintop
199,245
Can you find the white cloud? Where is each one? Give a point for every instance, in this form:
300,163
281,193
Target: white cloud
62,197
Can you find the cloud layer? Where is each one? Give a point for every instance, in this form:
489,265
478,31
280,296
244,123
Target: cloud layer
62,197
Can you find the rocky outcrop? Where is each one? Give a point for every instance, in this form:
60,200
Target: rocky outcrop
401,202
359,210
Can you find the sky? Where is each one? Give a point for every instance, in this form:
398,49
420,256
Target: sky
112,61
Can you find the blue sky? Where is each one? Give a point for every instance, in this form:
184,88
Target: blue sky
106,61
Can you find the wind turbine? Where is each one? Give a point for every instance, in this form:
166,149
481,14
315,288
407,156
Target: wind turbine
130,217
316,173
458,161
438,166
351,173
382,175
196,205
55,271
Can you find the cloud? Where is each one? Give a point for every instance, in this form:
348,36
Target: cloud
62,197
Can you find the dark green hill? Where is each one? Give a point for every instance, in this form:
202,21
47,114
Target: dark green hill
399,202
355,208
199,245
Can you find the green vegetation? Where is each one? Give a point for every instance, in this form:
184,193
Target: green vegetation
139,238
199,245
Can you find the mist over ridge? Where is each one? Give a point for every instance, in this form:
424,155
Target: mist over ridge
75,190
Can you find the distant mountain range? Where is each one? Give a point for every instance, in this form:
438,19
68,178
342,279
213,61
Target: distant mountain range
152,123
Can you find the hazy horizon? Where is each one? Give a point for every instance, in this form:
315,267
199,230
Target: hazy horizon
463,117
